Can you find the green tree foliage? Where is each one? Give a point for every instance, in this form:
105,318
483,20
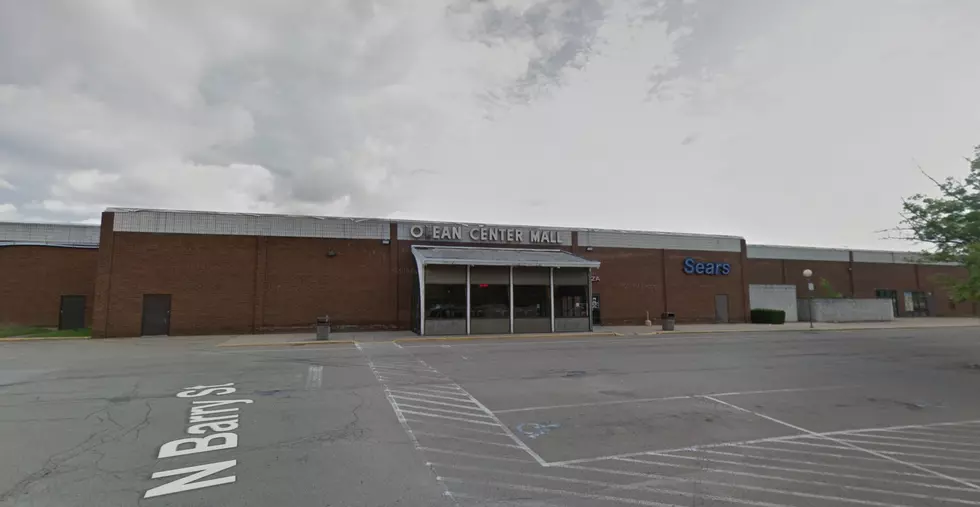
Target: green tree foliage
951,223
827,290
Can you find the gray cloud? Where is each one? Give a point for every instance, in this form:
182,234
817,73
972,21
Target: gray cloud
680,115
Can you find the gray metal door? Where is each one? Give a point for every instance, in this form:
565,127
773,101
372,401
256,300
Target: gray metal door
156,314
72,314
721,307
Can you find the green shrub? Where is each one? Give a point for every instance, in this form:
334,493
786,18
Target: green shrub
767,316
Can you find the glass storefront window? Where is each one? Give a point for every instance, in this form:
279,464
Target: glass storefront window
571,301
530,301
489,301
445,301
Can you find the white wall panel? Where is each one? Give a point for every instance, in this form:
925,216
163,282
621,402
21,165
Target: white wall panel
886,257
797,253
658,240
188,222
49,234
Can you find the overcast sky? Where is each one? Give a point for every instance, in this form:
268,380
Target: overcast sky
783,121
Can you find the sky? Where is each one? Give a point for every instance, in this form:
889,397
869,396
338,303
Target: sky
800,122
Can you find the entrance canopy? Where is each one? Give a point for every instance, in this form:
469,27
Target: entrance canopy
471,256
474,290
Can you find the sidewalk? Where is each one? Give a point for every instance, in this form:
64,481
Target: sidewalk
907,323
350,338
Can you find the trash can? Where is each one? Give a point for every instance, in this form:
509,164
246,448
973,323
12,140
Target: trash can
323,328
668,319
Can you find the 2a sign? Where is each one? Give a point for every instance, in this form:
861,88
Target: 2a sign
694,267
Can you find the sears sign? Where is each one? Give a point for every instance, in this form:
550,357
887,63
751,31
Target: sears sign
693,267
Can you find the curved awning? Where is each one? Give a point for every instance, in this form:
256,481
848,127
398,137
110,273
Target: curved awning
479,256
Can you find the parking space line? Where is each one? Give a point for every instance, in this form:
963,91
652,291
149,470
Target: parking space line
455,427
803,481
472,455
911,446
591,496
665,398
464,439
882,455
440,403
427,395
700,480
443,410
425,414
816,463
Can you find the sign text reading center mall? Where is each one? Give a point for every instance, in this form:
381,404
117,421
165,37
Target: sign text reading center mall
481,234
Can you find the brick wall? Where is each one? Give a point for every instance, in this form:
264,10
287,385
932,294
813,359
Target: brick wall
630,284
211,280
764,271
692,297
836,273
35,278
871,276
302,281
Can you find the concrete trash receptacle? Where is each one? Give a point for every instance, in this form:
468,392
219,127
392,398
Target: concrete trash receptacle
668,319
323,328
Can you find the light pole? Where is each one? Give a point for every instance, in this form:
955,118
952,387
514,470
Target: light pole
809,286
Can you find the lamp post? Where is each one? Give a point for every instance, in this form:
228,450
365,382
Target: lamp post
809,286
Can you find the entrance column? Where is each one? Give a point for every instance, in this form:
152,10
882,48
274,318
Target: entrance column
510,285
468,300
588,274
421,300
551,296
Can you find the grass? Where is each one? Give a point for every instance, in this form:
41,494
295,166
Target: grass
41,332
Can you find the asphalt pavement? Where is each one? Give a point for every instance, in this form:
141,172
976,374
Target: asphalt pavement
880,417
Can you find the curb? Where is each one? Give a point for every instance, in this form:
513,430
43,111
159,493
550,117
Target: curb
42,338
289,344
601,334
804,330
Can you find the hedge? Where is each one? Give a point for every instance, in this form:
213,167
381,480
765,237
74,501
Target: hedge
767,316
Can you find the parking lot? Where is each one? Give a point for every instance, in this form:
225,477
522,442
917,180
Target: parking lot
863,418
882,417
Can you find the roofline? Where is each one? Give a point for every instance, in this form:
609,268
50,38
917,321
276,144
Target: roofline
63,224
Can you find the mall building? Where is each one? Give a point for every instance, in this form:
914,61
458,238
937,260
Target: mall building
163,272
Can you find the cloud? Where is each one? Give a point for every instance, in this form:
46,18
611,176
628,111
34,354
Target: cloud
751,117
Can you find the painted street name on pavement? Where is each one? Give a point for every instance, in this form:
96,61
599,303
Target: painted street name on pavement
217,416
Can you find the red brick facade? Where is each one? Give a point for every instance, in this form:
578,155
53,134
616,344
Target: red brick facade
234,284
35,278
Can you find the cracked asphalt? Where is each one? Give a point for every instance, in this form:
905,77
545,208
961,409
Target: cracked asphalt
81,423
885,417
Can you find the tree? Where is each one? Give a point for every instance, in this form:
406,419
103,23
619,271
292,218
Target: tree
828,291
951,224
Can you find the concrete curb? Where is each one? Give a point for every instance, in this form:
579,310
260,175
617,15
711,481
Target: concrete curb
603,334
42,338
289,344
803,330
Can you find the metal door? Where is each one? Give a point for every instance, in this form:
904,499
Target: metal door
721,308
72,314
156,314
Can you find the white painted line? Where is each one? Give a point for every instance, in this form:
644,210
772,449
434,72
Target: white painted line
426,414
590,404
801,481
478,456
699,480
457,427
446,396
606,485
958,438
549,491
904,427
910,446
920,455
464,439
886,456
442,388
396,344
664,398
817,463
314,377
409,398
773,391
504,427
442,410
